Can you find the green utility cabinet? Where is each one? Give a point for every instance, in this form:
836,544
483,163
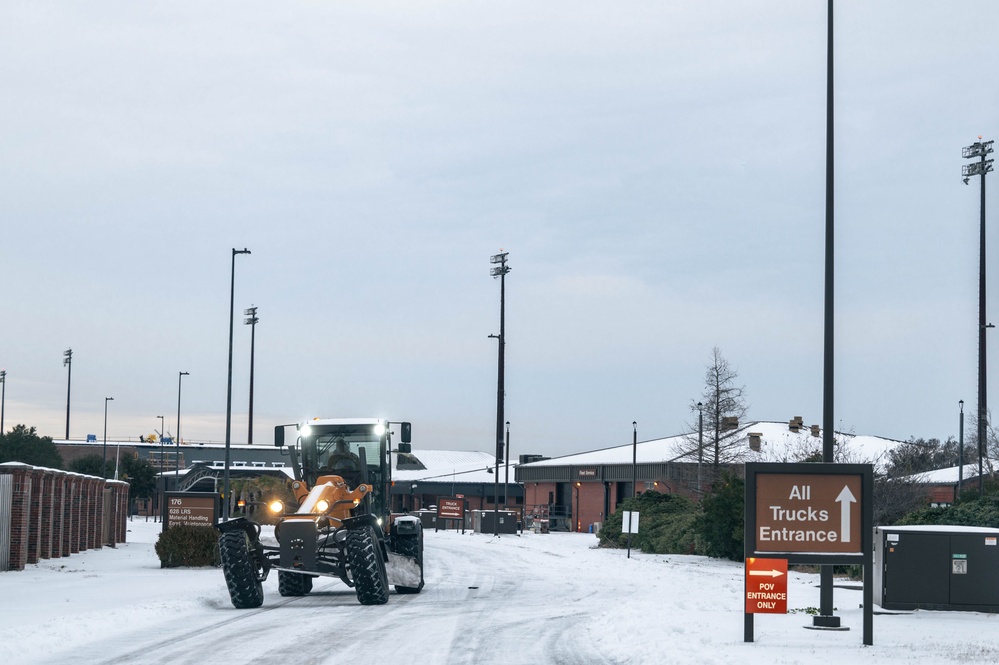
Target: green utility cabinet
936,568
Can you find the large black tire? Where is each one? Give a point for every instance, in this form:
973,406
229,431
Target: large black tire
367,568
412,547
240,570
294,584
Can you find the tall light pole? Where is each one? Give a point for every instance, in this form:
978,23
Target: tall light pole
500,270
251,321
634,478
228,394
980,149
67,361
176,459
159,496
960,450
104,463
3,395
826,618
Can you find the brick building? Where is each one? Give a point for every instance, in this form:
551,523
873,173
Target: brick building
577,492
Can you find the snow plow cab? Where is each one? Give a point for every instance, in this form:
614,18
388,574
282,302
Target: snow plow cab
341,526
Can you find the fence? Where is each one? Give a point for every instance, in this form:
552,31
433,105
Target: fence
47,513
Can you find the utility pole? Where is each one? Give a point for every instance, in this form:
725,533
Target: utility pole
251,321
980,149
500,270
67,361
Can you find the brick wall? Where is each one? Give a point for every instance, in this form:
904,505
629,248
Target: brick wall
56,513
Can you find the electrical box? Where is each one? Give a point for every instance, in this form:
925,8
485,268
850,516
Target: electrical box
936,568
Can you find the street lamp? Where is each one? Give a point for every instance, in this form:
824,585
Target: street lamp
3,395
176,459
160,467
500,270
228,394
251,321
980,149
67,361
104,463
634,477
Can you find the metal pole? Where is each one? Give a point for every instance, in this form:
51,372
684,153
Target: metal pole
960,452
826,618
67,360
3,395
104,462
634,473
252,322
228,395
159,467
499,271
176,459
983,410
506,485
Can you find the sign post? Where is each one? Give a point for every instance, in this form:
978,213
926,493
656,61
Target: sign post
811,514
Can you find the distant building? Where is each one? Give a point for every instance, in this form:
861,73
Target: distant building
577,492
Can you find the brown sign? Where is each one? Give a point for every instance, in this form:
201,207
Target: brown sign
587,473
809,513
450,508
189,509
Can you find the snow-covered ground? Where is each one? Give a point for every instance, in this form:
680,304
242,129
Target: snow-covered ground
514,599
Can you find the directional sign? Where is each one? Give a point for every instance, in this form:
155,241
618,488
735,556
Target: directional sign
813,513
766,586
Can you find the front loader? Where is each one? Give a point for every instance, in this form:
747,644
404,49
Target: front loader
341,525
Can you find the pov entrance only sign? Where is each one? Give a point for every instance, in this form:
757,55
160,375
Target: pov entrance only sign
766,586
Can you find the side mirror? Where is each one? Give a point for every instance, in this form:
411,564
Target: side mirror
279,436
407,432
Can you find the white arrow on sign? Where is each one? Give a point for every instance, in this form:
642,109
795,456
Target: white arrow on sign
765,573
845,498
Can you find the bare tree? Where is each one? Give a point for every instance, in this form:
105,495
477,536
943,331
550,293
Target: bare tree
723,407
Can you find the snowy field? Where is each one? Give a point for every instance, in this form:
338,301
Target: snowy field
515,599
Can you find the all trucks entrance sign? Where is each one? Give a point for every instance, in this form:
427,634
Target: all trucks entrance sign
806,513
810,513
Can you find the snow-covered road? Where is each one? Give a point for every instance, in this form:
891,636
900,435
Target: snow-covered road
515,599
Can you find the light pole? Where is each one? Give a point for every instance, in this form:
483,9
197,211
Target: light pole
506,485
251,321
159,496
67,361
634,477
980,149
578,524
228,394
500,270
104,463
960,450
176,459
700,442
3,395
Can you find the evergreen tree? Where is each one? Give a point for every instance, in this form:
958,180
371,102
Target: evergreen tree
22,444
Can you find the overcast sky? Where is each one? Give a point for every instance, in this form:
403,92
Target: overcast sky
654,169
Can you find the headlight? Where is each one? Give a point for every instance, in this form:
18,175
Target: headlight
305,430
322,506
379,429
379,521
276,506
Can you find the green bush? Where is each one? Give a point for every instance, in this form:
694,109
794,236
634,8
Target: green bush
978,511
188,546
665,524
720,527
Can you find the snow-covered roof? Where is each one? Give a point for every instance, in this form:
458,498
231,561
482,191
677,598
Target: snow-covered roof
948,475
460,466
777,444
